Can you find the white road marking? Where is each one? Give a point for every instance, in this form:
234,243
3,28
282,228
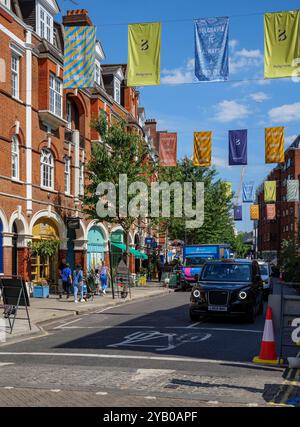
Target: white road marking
213,402
55,391
5,364
252,405
101,393
108,327
69,323
193,325
136,357
150,397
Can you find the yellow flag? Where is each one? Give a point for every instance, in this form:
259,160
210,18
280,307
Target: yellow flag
254,212
274,141
282,44
202,149
144,41
270,191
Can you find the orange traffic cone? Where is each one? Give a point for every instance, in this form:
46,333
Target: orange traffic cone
268,347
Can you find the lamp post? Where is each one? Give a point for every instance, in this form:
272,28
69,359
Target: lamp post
110,262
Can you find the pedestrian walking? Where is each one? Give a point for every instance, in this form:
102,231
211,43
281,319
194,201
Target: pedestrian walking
78,283
97,281
62,265
104,274
66,276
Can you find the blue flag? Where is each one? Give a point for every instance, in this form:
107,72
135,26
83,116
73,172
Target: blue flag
248,192
238,213
211,49
238,147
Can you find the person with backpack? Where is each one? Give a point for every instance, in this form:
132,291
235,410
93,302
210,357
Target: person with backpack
78,283
66,276
104,274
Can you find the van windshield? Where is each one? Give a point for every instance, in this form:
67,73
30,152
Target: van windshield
195,261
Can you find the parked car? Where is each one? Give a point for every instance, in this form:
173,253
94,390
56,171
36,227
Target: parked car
265,272
231,288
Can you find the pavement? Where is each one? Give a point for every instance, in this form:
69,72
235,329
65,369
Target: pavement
42,311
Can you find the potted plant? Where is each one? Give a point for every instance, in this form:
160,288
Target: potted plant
43,249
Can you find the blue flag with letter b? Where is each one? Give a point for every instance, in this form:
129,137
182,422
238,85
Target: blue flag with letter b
211,49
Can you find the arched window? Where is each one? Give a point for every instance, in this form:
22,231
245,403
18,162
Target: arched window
47,169
15,157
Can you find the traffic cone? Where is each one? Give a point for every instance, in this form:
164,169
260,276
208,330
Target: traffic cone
268,347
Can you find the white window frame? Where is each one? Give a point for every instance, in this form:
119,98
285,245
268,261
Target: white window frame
56,95
81,179
67,175
15,158
45,24
47,170
97,72
5,3
15,75
117,90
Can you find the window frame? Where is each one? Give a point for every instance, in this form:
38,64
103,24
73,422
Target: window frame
45,25
98,72
67,174
6,3
15,158
15,75
49,172
117,90
81,178
56,97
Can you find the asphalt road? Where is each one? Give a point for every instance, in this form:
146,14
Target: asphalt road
148,349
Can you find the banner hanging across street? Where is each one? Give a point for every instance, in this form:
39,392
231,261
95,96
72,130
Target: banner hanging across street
282,44
80,56
274,143
248,192
292,194
270,191
144,43
168,149
211,49
202,149
238,147
271,212
254,212
238,213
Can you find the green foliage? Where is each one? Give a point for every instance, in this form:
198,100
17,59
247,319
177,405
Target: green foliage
218,223
290,260
121,152
239,247
44,248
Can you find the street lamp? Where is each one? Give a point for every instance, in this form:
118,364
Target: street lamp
110,261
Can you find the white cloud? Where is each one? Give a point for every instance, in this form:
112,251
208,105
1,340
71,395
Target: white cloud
244,59
180,75
228,111
233,44
285,113
259,96
245,53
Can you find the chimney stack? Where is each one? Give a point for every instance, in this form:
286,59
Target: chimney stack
77,18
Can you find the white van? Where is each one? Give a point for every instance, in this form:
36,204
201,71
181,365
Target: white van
265,272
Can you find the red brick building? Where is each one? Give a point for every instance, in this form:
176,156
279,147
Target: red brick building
272,233
46,139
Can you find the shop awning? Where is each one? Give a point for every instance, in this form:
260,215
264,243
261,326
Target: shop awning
121,246
138,254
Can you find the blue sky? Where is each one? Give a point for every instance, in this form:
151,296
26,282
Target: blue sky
219,107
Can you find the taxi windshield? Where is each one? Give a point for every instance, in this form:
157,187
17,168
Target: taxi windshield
227,272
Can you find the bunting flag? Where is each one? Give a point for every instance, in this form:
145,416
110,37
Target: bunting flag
238,213
144,42
202,149
168,149
254,212
80,56
270,191
292,190
248,192
238,147
274,141
211,49
282,45
271,212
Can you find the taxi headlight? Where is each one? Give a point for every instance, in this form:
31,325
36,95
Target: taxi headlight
243,295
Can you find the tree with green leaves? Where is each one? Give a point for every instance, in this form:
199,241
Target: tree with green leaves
121,152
